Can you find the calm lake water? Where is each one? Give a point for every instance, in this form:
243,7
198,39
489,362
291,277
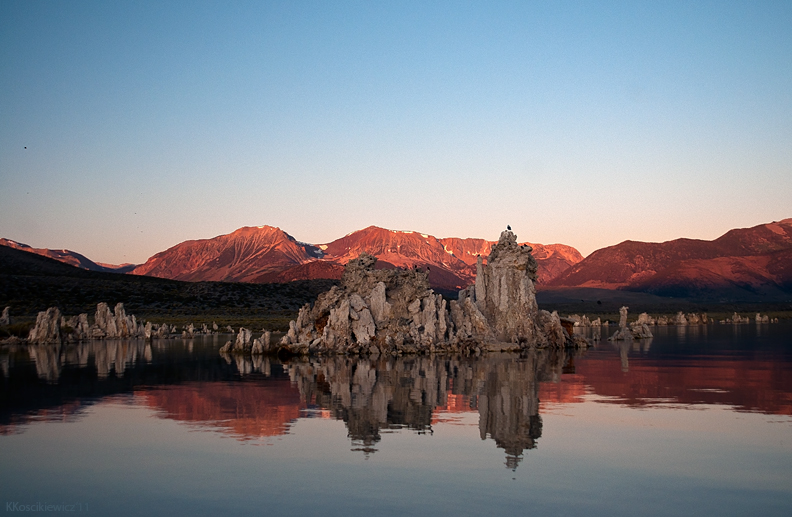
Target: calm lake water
696,421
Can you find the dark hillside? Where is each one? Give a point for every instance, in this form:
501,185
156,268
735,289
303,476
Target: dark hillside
30,283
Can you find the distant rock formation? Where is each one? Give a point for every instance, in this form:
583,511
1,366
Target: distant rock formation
640,330
394,311
623,334
738,320
115,325
245,344
637,330
680,319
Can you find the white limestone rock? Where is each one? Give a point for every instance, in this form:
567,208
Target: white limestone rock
505,292
623,317
378,304
262,345
640,328
104,322
47,328
243,340
624,333
80,329
640,331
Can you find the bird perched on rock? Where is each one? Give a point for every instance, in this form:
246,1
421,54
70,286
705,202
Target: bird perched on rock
508,227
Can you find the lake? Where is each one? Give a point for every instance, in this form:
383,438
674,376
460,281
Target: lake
696,421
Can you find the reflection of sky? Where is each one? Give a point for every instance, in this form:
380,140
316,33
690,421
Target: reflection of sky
593,458
147,124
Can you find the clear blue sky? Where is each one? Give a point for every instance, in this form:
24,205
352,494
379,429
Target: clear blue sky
584,123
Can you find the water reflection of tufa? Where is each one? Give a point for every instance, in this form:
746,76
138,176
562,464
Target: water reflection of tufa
372,395
105,356
248,365
624,348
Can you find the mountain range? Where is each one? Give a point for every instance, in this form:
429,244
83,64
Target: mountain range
743,263
748,263
267,254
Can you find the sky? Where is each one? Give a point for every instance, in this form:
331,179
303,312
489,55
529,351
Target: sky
129,127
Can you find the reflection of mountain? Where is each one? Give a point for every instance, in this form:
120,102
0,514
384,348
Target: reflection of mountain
266,407
750,385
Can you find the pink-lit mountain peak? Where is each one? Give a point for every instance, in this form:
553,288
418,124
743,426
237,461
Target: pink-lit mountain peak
456,256
240,256
382,242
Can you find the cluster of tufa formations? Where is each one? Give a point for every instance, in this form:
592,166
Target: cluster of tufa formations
394,311
52,327
680,319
